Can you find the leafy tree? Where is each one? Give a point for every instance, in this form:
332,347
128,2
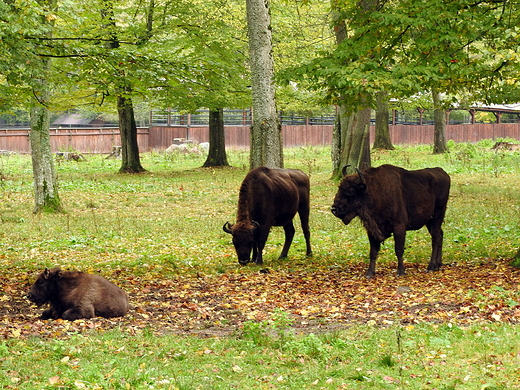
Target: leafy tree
353,137
175,53
216,61
407,47
26,78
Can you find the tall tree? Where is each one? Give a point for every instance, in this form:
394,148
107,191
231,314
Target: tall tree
215,71
353,137
130,159
45,180
266,130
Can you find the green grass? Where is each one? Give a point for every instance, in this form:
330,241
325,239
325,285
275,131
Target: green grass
422,357
169,222
174,214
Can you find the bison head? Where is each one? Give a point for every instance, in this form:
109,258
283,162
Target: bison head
243,239
44,287
349,197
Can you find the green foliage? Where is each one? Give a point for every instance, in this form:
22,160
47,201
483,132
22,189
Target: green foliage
182,53
402,48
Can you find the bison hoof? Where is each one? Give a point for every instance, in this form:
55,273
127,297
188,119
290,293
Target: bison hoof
433,267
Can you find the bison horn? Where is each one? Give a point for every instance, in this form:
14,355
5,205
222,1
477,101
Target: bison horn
361,176
344,170
257,225
227,228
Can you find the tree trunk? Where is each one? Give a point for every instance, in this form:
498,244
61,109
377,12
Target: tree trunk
131,162
266,131
336,143
45,180
46,196
217,141
355,141
382,137
439,117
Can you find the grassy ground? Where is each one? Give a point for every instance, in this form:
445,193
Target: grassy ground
166,226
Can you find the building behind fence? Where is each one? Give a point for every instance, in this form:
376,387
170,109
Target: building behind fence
166,126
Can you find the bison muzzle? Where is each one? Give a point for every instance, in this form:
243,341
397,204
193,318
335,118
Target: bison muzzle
392,200
73,295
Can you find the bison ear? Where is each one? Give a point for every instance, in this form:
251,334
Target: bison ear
227,228
46,273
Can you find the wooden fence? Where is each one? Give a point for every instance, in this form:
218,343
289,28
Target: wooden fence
101,140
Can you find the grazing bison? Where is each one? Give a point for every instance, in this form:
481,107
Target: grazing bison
74,294
391,200
269,197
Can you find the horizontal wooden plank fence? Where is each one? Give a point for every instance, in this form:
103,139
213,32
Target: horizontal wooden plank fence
101,140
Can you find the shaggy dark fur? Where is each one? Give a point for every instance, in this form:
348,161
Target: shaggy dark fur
269,197
391,200
74,294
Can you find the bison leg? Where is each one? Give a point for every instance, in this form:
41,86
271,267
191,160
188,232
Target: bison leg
304,219
289,235
437,238
78,312
399,240
260,240
375,245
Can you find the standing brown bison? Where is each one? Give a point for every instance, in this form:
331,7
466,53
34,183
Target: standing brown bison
269,197
391,200
74,294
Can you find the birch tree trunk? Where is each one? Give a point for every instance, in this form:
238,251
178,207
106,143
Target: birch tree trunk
439,117
46,196
266,130
217,141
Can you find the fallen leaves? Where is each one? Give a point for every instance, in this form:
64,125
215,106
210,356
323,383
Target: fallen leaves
219,304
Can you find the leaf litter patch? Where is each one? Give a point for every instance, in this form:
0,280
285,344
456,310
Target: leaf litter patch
315,300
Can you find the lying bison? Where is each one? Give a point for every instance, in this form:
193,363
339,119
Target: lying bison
74,294
391,200
269,197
